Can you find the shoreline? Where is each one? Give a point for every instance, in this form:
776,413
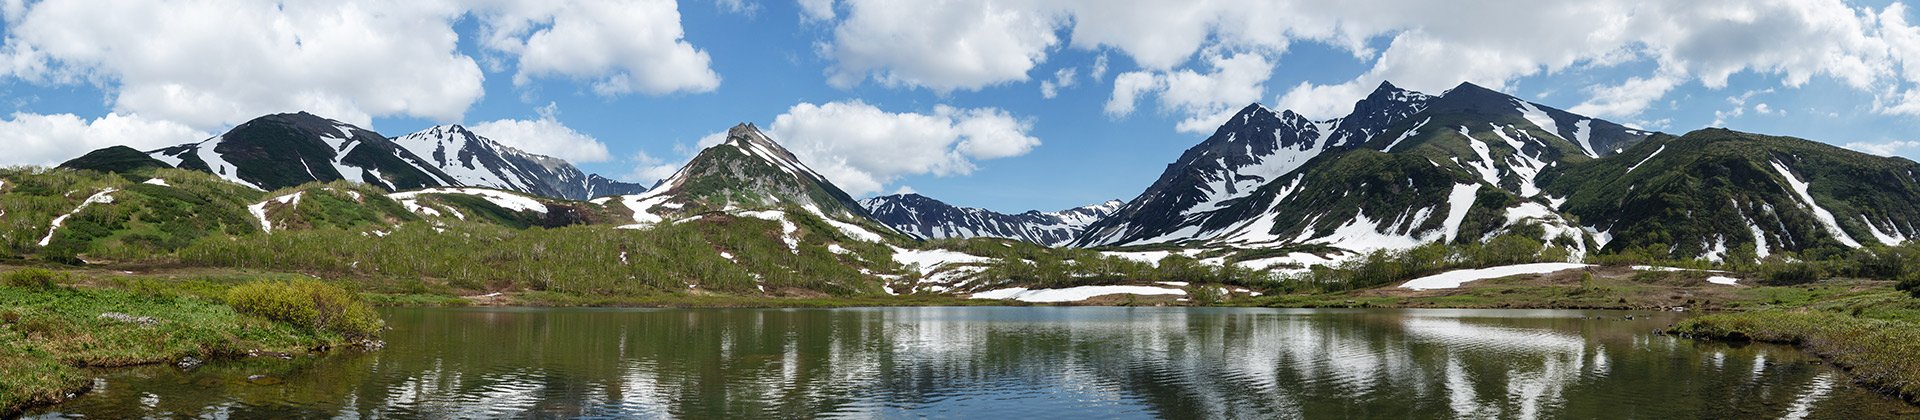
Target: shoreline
196,290
1877,354
51,333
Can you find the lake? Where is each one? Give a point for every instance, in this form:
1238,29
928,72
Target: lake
1012,362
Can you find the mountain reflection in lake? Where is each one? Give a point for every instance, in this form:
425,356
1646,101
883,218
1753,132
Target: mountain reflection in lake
1008,363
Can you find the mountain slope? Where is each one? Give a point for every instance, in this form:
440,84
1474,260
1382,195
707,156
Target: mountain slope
926,218
1718,194
1403,169
115,159
1505,141
749,174
475,161
1254,148
284,150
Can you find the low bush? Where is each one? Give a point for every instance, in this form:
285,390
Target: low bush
33,278
308,303
1790,274
1911,285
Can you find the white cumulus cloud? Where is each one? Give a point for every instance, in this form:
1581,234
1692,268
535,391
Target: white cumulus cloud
46,140
863,148
1889,148
1062,79
943,45
619,46
1205,99
816,10
951,45
545,136
648,169
212,63
209,64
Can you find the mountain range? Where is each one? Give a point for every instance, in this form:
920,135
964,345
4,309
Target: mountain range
923,217
285,150
1402,169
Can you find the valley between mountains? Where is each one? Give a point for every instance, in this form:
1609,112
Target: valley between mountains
1468,198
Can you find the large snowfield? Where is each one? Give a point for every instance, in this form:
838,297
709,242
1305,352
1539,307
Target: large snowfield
1453,279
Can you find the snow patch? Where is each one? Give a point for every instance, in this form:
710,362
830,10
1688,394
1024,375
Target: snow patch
1453,279
1239,181
1458,203
157,181
787,228
1484,167
1362,235
1072,294
1806,200
506,200
105,196
1526,167
1894,238
932,259
1409,133
1643,161
1718,253
1302,259
642,204
1760,247
851,230
1600,237
259,210
218,164
1259,230
1582,134
1723,280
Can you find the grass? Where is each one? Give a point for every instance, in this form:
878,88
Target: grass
1606,288
48,333
1878,352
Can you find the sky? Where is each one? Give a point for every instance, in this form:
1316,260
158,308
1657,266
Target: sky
1007,105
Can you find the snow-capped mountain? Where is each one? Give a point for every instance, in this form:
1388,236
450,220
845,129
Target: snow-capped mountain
284,150
1403,169
926,218
476,161
1254,148
1472,163
750,175
1466,167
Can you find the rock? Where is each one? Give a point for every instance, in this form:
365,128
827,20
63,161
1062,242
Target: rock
144,321
189,363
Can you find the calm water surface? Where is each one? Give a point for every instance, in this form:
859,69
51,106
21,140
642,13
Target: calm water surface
1007,363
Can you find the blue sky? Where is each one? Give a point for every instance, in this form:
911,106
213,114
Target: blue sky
972,70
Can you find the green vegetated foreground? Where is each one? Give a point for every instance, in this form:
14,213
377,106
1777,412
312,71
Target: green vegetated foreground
52,325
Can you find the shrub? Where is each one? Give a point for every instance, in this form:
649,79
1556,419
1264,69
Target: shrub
34,278
1911,285
1790,274
307,303
1206,295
